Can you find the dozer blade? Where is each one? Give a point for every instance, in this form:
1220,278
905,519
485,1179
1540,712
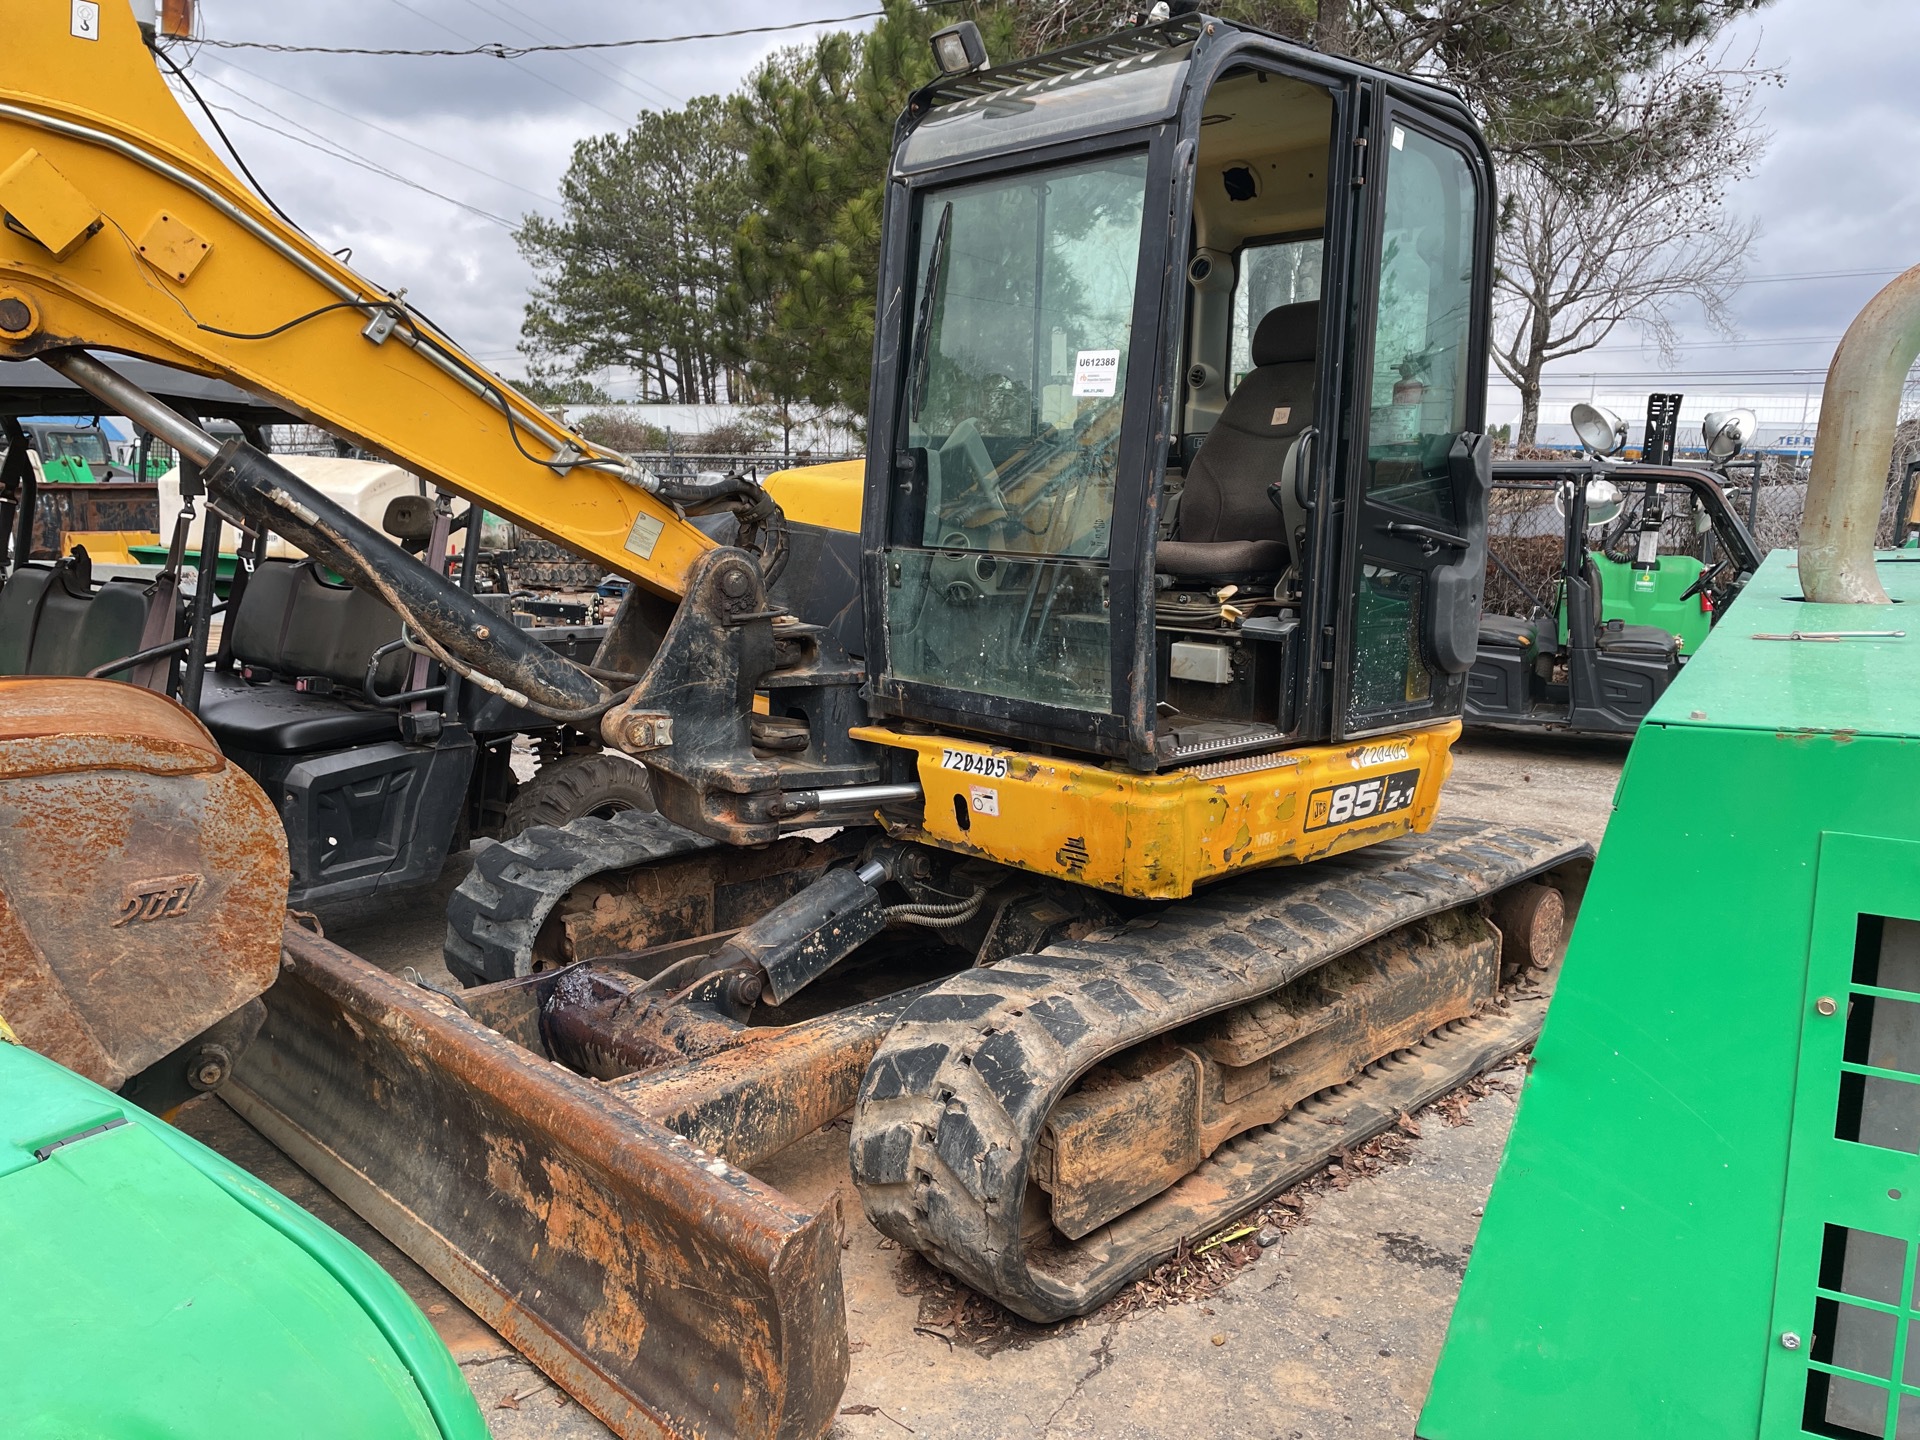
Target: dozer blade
670,1293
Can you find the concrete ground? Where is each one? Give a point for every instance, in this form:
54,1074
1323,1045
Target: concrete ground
1332,1332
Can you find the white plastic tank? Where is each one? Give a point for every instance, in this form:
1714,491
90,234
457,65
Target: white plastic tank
362,486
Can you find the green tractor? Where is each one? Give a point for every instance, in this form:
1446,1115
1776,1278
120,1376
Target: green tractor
1707,1220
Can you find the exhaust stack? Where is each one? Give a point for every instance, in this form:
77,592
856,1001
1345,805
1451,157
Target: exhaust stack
1848,482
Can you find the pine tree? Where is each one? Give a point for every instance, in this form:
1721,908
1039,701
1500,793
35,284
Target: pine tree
632,274
806,258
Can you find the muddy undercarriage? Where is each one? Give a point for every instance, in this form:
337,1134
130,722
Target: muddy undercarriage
1050,1089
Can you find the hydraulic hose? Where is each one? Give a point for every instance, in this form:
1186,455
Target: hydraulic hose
482,646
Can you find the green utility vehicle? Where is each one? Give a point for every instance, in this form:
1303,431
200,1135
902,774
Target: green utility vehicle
73,452
1604,579
154,1289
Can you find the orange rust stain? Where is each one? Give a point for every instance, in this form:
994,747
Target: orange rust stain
581,1220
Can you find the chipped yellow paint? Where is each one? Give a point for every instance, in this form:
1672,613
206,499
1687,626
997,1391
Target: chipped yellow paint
1157,837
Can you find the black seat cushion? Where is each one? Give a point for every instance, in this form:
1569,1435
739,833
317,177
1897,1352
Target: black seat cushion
294,622
276,719
1618,638
1228,526
52,622
1221,559
1509,632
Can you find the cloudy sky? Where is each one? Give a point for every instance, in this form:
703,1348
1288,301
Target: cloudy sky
351,146
424,165
1833,194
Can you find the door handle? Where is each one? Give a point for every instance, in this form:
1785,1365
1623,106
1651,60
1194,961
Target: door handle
1430,539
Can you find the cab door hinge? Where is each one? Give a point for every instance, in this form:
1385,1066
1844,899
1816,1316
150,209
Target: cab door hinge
1359,161
1327,647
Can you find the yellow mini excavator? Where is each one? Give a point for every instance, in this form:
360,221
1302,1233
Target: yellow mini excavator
1072,822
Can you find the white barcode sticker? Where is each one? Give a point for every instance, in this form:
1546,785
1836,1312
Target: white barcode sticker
1095,372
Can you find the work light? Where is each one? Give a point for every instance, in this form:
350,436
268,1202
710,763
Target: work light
1599,429
958,49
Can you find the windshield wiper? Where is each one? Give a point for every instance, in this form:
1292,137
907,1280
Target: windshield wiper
923,322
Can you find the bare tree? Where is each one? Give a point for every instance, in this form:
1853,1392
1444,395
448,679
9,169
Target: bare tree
1642,228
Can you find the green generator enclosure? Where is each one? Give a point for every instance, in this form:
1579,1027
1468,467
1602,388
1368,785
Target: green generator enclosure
1707,1219
154,1291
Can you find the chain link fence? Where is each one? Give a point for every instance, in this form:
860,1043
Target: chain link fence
1769,492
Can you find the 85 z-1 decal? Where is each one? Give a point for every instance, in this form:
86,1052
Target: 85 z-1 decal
1361,799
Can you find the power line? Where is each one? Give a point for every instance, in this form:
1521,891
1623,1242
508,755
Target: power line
1816,275
1719,344
501,51
528,71
524,24
358,120
335,151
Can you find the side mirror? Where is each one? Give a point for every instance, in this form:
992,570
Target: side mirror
1726,433
1600,430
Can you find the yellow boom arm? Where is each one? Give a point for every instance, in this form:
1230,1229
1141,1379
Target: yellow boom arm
124,231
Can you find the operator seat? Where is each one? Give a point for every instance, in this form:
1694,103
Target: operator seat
1229,529
294,626
1619,638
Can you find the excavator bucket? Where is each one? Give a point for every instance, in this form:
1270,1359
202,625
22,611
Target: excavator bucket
132,846
669,1292
1708,1217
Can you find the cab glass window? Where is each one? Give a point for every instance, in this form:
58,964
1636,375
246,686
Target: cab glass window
1270,274
1423,324
1016,373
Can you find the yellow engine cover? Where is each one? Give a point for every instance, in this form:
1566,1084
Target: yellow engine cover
1156,837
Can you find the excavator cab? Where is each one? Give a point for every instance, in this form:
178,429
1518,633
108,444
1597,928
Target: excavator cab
1178,408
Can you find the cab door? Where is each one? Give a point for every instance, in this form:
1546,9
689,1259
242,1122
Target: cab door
1416,468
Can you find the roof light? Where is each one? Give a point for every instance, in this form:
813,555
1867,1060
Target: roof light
1600,430
958,49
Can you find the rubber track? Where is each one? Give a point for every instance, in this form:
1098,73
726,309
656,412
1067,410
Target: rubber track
954,1102
495,916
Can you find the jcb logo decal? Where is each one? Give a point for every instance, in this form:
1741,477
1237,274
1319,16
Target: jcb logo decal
166,898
